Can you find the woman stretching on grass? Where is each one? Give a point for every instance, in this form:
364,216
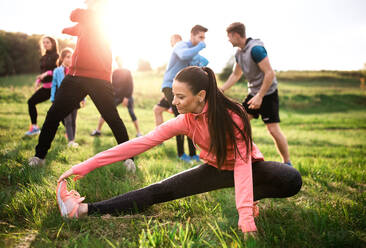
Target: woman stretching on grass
220,127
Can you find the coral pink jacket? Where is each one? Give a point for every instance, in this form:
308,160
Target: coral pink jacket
194,126
92,57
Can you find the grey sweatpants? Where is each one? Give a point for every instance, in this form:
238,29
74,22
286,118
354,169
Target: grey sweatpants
70,124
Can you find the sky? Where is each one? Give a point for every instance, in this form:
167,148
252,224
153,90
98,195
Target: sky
298,34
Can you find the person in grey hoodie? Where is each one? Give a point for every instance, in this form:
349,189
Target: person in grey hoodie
262,99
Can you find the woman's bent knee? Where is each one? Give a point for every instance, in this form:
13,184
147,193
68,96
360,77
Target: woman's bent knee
295,183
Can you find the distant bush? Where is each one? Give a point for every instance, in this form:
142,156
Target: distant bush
161,69
317,75
20,53
299,75
143,65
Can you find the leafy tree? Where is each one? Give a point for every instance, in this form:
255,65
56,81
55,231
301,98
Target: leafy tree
143,65
20,53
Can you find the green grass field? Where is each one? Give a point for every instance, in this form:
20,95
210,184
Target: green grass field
324,121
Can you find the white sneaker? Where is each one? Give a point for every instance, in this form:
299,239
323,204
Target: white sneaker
130,165
35,161
73,144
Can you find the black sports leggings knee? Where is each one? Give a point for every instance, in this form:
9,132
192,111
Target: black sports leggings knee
270,180
41,95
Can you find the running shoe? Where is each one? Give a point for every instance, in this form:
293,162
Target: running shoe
68,201
195,158
130,165
185,158
95,133
289,163
33,131
73,144
36,161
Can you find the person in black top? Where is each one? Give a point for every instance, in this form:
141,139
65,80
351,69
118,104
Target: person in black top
49,49
122,83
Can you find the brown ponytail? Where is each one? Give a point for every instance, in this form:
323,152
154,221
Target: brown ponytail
221,125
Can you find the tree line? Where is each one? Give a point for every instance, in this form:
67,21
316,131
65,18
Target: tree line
20,53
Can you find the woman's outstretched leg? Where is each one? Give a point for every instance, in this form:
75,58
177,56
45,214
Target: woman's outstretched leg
270,180
200,179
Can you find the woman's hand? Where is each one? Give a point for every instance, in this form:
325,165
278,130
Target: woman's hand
66,175
255,102
125,102
43,75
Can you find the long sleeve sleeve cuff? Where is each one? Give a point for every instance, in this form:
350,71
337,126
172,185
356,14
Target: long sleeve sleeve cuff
246,220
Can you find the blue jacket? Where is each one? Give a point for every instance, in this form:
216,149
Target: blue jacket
58,76
199,60
182,55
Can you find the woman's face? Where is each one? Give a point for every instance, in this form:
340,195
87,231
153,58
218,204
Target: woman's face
67,60
184,99
47,45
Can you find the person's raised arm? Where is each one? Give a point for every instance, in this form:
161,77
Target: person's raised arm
185,53
269,75
81,15
233,78
73,31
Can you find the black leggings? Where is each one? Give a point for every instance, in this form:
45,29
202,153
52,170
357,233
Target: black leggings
270,180
73,89
130,106
39,96
180,138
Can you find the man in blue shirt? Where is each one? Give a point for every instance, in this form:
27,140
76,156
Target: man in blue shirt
163,104
184,52
252,61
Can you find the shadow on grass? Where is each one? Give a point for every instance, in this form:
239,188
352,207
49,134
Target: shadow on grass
98,146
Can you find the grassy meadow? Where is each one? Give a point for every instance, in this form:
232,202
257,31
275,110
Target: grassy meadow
324,120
